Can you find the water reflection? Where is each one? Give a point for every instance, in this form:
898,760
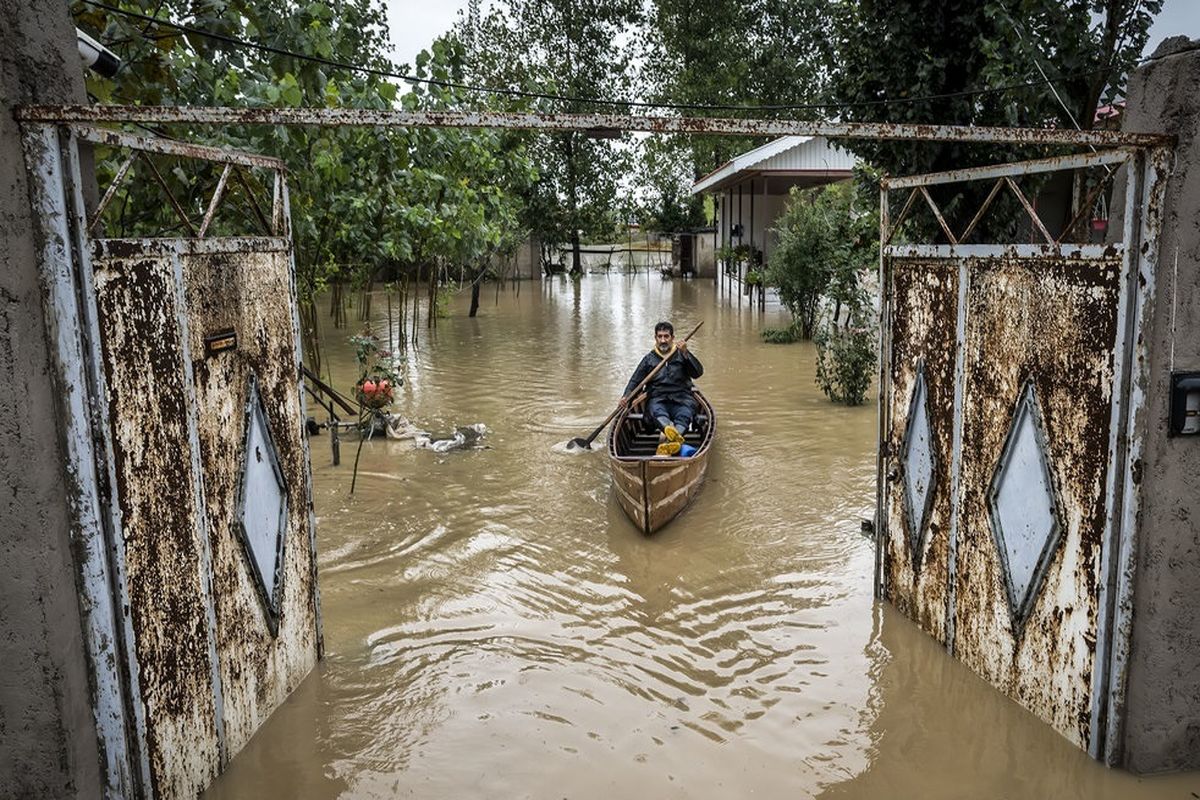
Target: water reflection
496,627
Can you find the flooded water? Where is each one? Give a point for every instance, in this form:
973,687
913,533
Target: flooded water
496,627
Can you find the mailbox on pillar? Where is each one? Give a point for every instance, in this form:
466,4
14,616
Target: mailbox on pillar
1185,403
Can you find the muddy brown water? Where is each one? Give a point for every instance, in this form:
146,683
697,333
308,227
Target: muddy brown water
495,626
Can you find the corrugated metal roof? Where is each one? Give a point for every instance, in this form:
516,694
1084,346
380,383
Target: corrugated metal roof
786,154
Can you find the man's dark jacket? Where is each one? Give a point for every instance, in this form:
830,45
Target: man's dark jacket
674,380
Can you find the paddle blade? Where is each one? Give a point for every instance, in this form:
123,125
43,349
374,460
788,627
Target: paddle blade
579,444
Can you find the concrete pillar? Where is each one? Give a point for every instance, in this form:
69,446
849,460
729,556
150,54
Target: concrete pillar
1161,720
48,744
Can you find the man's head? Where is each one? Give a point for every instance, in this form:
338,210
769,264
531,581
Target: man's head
664,336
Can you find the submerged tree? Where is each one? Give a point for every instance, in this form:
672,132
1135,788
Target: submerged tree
363,200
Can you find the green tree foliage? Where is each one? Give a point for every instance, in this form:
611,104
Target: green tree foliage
362,200
890,50
825,244
751,53
574,49
665,181
846,357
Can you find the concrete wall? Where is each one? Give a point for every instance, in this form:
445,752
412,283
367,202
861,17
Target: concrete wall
47,734
1162,723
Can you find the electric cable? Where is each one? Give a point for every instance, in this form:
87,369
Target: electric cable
413,79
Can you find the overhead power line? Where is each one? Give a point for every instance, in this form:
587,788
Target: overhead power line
505,91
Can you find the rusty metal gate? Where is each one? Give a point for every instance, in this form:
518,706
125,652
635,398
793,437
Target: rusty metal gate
189,471
1012,381
1011,374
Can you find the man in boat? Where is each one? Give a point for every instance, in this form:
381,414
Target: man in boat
670,402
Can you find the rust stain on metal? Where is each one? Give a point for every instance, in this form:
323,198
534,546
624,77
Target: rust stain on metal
582,122
250,293
924,321
142,354
1051,321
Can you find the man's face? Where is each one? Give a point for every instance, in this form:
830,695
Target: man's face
663,340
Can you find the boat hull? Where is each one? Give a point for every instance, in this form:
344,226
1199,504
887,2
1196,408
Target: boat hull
651,489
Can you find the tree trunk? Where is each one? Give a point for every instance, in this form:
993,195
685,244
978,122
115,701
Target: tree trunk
576,268
474,298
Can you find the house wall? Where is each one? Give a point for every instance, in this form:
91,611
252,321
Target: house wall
757,224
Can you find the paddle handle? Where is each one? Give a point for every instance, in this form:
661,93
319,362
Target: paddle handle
638,388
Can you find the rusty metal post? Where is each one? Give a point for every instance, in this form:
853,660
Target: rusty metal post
1145,188
61,264
881,456
283,220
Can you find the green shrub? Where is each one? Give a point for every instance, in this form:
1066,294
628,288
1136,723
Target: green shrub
441,304
824,244
846,359
780,335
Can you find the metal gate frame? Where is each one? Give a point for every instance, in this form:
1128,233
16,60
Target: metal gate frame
52,154
1146,154
1146,170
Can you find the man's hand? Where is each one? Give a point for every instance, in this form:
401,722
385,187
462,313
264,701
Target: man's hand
624,401
681,346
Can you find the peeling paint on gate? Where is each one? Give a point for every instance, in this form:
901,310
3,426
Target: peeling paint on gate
923,320
1053,323
162,527
250,293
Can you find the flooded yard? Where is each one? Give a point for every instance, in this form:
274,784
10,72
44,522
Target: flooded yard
496,627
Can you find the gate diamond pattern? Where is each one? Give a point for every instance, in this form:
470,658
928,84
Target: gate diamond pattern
262,514
1024,507
919,466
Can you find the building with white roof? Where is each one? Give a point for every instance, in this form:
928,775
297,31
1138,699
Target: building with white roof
751,189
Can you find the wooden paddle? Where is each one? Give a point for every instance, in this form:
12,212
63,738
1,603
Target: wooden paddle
586,444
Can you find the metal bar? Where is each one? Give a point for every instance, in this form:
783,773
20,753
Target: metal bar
165,115
941,220
112,191
982,209
884,384
285,229
262,220
277,224
172,147
1052,164
69,356
106,467
1151,173
912,196
1085,207
1113,494
216,201
179,212
1029,210
118,248
1068,251
956,436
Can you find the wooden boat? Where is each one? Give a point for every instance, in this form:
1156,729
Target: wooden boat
654,489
